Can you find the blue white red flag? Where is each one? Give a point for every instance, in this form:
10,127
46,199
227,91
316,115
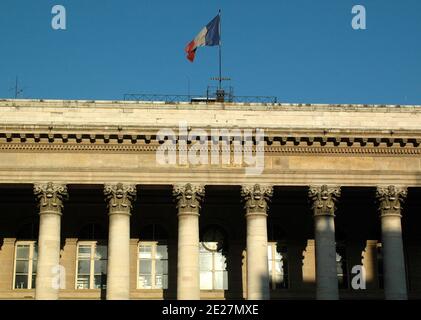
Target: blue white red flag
208,36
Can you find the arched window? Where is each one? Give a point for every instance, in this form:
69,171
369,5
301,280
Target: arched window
213,267
152,261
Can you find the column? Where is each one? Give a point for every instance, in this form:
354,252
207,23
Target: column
323,200
256,199
390,199
50,199
188,199
119,198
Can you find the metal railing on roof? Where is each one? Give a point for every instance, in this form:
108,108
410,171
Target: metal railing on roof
208,98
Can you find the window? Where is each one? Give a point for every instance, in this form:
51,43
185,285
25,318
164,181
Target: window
278,266
213,267
26,254
213,274
152,265
91,265
341,267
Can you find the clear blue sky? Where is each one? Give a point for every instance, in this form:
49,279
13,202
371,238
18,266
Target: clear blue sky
301,51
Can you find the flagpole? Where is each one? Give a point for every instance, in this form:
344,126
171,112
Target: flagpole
220,51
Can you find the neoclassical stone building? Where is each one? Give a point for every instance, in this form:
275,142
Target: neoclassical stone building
90,210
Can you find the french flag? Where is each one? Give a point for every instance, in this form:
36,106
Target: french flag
208,36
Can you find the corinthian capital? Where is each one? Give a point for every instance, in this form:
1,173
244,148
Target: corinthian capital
390,199
188,196
119,197
323,199
50,196
256,197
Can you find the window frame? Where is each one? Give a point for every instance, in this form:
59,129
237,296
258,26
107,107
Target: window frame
93,246
153,244
32,244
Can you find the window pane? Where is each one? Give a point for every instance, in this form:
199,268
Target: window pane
100,281
100,266
34,266
225,273
206,280
145,266
84,266
161,281
83,282
22,252
145,252
219,280
219,262
85,251
161,252
101,252
161,267
205,261
22,266
145,281
21,282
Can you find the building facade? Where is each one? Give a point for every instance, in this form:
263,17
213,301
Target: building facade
154,200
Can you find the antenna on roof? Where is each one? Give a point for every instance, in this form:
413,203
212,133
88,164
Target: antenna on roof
16,88
220,92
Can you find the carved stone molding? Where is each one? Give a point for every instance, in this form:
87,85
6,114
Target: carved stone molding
256,197
310,143
390,199
50,196
188,197
323,199
119,197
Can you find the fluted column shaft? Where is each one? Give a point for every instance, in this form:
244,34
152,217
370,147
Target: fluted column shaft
188,198
323,200
119,198
50,198
256,199
390,199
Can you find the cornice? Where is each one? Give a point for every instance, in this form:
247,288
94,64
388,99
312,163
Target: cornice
153,147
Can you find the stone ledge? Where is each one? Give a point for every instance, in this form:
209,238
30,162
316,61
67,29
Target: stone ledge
16,103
